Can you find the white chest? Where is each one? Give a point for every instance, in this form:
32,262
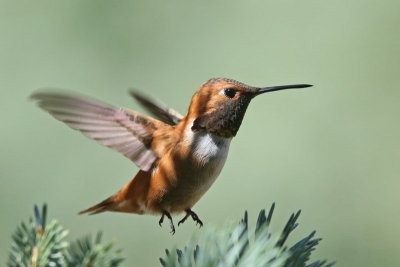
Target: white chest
208,152
208,148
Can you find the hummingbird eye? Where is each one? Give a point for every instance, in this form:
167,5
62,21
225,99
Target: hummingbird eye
230,92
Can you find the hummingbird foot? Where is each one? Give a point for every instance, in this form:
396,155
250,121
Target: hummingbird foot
184,219
171,223
161,220
194,216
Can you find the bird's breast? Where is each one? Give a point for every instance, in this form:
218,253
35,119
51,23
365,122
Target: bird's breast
189,170
202,164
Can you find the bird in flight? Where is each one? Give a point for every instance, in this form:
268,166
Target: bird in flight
179,157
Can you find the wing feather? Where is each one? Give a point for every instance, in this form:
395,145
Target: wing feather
125,131
162,112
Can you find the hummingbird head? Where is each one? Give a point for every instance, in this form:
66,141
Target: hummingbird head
219,105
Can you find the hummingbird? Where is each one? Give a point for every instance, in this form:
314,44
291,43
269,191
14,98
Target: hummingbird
179,157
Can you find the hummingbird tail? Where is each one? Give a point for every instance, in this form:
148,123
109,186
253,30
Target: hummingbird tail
105,205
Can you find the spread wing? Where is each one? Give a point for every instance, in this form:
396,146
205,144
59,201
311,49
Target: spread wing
122,130
158,109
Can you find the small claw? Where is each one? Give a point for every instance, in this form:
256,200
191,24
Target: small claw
161,220
199,222
183,219
171,223
172,228
196,218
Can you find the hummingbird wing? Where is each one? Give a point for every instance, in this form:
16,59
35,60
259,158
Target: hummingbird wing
122,130
159,110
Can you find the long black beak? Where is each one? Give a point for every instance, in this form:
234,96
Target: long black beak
280,87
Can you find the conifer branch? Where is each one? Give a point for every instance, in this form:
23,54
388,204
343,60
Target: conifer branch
38,244
235,246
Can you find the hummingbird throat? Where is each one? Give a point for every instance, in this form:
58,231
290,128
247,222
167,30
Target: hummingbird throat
226,119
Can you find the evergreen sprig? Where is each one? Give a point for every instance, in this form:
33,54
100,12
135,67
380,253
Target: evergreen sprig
234,247
39,245
85,252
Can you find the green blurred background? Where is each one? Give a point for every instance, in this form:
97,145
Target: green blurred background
332,150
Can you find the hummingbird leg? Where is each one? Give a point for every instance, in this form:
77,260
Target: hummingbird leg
161,220
171,223
184,219
194,216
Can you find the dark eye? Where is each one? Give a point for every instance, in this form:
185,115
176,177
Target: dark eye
230,92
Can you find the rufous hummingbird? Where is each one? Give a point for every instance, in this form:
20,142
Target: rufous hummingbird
179,156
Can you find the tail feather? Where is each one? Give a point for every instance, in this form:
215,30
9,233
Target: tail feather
103,206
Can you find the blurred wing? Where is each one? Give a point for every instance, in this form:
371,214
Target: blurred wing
159,110
125,131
